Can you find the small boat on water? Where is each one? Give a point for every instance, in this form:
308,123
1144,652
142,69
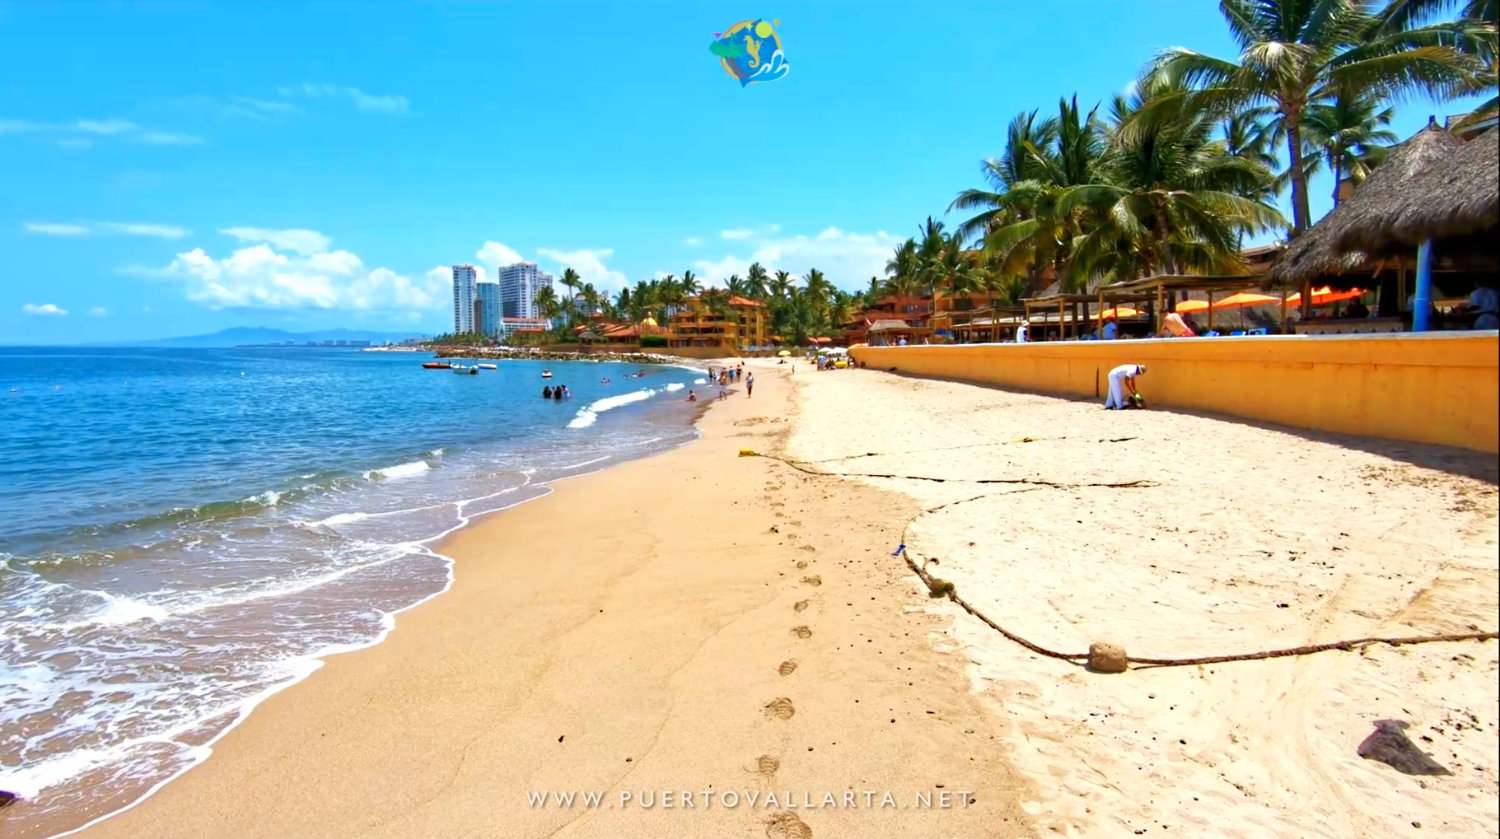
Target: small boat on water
465,371
436,365
546,374
489,367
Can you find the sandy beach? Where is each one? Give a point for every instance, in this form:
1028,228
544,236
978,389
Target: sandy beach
1248,538
702,622
695,622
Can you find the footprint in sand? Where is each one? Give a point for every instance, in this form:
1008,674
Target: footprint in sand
787,826
814,580
800,605
767,765
787,667
808,548
780,708
802,632
801,565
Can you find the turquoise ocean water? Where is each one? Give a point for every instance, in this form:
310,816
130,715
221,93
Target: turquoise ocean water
184,532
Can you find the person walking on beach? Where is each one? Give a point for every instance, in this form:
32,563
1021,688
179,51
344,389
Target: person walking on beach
1021,331
1122,393
750,385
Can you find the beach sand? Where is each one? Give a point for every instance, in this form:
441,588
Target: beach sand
693,621
1250,538
654,627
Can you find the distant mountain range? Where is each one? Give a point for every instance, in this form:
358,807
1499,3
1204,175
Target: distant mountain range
241,335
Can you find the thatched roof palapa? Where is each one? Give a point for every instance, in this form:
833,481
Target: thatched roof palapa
1458,196
890,326
1316,254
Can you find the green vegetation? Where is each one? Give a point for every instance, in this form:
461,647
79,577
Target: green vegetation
1170,178
463,339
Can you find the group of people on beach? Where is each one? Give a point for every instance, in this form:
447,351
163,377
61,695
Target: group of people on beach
558,393
727,376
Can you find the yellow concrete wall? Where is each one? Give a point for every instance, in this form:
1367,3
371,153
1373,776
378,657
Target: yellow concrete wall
1438,388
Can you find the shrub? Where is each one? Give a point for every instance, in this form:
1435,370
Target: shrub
653,341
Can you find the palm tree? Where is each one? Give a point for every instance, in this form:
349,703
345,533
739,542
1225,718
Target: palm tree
591,299
736,285
1020,221
1352,135
1170,196
781,287
756,281
1295,54
570,281
547,304
690,284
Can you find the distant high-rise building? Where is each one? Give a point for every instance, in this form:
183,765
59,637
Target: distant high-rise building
519,284
464,280
487,319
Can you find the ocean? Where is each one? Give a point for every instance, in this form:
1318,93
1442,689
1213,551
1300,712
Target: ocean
185,532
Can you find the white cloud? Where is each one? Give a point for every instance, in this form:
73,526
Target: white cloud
106,126
305,242
164,231
80,132
494,255
19,126
46,309
268,106
692,241
737,233
391,104
163,138
49,229
260,277
590,266
98,312
847,259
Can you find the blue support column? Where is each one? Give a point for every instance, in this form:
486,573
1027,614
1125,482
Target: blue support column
1422,306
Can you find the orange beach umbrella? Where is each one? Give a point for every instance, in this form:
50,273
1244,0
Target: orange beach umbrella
1119,312
1245,298
1325,295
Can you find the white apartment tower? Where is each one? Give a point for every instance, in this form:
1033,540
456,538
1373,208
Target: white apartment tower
519,284
465,281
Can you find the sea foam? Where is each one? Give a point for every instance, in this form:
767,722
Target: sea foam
589,415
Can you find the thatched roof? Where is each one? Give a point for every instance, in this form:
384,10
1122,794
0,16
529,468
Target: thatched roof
888,325
1315,253
1458,196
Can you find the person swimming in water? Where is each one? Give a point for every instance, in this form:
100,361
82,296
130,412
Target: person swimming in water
547,392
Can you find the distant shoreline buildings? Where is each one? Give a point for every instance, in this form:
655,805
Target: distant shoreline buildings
498,309
465,278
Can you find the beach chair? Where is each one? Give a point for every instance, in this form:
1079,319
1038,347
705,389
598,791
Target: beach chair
1238,333
1212,333
1260,331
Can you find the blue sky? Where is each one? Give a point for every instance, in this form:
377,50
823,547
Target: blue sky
177,168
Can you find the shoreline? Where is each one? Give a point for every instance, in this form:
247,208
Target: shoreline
434,546
279,752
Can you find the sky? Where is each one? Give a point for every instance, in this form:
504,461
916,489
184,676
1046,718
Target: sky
175,168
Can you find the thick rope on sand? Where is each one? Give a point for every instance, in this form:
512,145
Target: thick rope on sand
1102,657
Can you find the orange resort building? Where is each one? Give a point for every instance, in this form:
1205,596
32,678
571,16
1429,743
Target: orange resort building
724,323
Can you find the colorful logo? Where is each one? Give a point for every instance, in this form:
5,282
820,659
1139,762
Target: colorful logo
750,51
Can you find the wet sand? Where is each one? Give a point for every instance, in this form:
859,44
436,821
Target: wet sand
702,622
695,622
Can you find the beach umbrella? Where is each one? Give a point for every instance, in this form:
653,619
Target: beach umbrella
1122,312
1191,306
1244,298
784,353
1325,295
